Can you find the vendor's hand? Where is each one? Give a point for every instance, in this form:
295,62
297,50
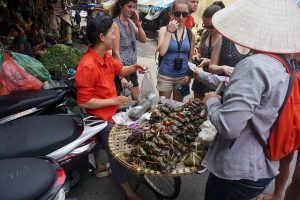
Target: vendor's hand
198,71
204,62
196,56
186,80
227,70
120,100
141,68
173,26
211,95
195,51
124,83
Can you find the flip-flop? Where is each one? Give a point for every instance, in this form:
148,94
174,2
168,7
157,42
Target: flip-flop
263,196
103,174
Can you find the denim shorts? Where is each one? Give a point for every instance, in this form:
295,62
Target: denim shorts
222,189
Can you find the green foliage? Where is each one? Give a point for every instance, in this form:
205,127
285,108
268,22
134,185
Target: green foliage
60,58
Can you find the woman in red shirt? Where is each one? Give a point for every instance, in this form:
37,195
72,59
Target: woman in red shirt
96,91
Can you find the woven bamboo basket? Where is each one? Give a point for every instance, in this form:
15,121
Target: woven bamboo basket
118,147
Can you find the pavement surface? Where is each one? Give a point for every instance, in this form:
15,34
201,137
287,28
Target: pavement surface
192,186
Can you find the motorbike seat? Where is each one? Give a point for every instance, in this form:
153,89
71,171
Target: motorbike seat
24,100
25,178
36,135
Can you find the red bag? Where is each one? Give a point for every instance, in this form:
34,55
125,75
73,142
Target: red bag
14,78
285,133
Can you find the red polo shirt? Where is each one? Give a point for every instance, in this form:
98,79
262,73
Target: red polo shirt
95,79
189,22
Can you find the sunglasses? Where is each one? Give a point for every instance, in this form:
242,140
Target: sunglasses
208,27
178,14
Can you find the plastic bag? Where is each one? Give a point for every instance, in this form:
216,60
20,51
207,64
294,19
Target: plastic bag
14,78
147,89
1,57
32,66
137,111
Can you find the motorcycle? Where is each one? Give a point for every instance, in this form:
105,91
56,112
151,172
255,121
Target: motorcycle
67,139
23,103
31,178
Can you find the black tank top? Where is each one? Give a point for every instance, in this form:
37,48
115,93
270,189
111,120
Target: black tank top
229,55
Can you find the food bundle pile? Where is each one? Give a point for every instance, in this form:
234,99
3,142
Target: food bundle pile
169,138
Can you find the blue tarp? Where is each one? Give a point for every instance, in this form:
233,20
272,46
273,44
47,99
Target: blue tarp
92,4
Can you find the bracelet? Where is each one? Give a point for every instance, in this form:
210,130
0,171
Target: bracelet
169,30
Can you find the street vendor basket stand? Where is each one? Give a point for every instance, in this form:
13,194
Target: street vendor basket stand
165,185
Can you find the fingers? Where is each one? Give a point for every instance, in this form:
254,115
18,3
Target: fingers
173,25
210,95
121,100
142,68
124,83
186,80
202,64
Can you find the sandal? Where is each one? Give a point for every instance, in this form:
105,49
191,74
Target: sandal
103,174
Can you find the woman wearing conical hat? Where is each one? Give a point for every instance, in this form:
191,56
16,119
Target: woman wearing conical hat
66,30
239,168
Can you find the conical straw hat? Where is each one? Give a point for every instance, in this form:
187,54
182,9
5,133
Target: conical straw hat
263,25
66,18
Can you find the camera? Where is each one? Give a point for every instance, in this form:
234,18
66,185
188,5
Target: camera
178,64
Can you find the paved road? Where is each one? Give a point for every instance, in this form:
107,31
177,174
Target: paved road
192,187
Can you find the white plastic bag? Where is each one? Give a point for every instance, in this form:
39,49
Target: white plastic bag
147,89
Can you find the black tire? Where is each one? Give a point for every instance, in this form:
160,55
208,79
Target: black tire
165,186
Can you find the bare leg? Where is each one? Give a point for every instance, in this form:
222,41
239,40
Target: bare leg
293,191
135,92
99,166
130,194
280,180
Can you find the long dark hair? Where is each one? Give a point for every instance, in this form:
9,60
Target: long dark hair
212,9
116,9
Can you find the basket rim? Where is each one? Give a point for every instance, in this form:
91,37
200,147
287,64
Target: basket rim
137,169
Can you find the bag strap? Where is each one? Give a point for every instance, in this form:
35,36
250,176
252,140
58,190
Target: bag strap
189,34
291,71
